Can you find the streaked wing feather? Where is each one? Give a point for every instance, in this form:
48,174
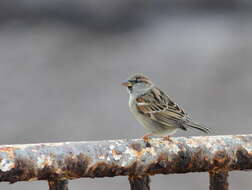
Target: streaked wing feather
159,107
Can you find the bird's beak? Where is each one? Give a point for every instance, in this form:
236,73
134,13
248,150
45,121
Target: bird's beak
127,84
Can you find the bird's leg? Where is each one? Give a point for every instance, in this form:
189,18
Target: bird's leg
146,137
167,138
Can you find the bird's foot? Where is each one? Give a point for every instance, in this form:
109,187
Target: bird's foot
167,138
146,137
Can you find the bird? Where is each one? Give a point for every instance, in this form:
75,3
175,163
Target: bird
155,110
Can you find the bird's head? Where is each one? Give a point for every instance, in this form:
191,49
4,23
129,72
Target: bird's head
138,84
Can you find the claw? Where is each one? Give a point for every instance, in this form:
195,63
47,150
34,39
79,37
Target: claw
146,137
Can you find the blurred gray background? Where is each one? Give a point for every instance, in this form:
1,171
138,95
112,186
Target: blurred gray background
62,62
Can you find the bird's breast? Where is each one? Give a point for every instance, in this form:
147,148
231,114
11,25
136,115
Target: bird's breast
145,121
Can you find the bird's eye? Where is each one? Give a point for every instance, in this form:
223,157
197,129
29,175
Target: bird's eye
130,88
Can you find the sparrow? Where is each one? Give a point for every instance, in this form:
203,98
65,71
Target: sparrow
155,110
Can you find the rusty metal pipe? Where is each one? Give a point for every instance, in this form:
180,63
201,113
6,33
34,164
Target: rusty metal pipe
218,180
139,182
58,185
69,160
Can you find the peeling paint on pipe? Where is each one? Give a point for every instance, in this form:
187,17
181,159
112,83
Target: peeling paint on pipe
69,160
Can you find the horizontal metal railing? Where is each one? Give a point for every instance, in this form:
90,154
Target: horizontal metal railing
58,162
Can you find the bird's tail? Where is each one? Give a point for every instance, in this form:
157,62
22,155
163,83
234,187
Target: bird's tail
198,126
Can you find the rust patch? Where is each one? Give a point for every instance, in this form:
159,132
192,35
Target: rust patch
244,159
162,165
48,173
148,145
184,158
199,161
23,171
157,167
135,168
6,149
137,147
75,166
218,181
139,182
9,151
102,169
183,162
58,184
221,161
163,160
115,152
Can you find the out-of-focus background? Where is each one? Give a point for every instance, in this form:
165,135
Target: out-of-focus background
62,62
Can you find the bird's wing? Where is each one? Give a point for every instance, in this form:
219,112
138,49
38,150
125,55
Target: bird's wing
158,106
